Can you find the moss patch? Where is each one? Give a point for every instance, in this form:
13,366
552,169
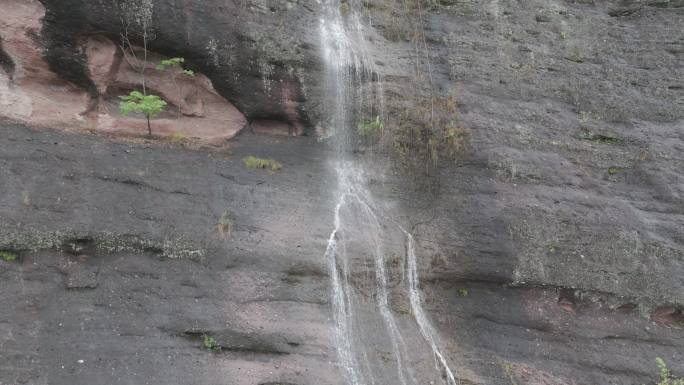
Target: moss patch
614,170
601,138
105,242
209,343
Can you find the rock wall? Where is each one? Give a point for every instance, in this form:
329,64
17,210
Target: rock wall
562,225
29,90
551,252
262,57
132,253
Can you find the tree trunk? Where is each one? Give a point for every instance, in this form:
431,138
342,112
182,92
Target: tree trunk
149,127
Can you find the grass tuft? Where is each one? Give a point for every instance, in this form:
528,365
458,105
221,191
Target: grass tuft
177,137
613,170
368,128
209,343
8,256
600,138
253,163
225,225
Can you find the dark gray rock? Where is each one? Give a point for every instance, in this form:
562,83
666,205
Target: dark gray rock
258,54
96,299
81,277
550,253
572,182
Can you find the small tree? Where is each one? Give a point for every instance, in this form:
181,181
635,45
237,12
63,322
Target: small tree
149,105
136,17
176,62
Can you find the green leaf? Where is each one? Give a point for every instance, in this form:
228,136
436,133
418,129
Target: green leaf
173,62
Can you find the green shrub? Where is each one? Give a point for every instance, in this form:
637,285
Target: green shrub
177,137
430,130
253,163
8,256
209,343
666,378
176,62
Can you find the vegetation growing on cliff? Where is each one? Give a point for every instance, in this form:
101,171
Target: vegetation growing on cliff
8,256
425,130
666,377
225,225
176,63
254,163
431,130
209,343
148,105
601,138
137,19
368,128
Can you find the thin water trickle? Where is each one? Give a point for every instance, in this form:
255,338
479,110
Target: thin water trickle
362,287
424,324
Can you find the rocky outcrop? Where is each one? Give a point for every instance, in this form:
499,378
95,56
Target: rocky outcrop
262,57
194,109
34,90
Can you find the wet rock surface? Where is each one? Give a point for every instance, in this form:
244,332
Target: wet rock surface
563,223
82,312
551,253
570,193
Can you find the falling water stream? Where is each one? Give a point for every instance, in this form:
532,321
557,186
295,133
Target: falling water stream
374,344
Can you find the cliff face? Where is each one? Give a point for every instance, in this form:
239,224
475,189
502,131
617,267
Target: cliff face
551,252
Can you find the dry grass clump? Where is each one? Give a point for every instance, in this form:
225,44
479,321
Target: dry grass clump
430,130
253,163
177,137
225,225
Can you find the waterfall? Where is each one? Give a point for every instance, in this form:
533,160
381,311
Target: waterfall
371,339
